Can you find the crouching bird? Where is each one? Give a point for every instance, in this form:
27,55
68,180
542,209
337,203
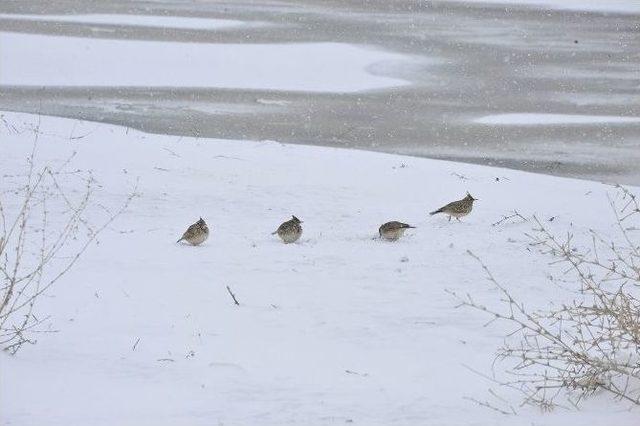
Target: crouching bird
392,231
290,231
196,234
458,208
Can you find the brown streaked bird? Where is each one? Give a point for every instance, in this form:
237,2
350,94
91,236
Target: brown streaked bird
196,234
290,231
392,231
458,208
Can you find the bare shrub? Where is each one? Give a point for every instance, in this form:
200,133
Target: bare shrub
44,229
592,344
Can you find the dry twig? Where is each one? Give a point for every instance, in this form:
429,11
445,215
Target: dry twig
44,230
233,296
586,346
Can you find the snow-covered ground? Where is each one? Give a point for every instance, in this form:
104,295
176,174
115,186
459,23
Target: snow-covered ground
35,60
340,328
154,21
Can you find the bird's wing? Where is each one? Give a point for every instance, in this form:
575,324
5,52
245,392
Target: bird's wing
191,231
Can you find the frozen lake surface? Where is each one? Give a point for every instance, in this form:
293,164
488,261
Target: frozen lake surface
617,6
545,86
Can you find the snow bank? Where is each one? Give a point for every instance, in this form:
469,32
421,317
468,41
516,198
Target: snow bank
36,60
339,328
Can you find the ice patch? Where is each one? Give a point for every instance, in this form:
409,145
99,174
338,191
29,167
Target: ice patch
36,60
272,102
533,119
176,22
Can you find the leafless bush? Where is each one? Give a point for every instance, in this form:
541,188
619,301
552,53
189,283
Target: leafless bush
592,344
44,229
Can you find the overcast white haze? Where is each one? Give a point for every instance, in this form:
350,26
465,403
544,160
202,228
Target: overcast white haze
246,114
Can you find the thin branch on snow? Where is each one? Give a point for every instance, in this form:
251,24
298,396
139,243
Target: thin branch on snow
487,404
233,296
514,216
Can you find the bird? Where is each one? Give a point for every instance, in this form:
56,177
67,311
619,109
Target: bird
392,231
458,208
290,231
196,234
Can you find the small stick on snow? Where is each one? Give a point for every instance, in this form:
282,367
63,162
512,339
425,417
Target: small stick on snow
487,404
459,176
514,215
172,152
356,373
233,296
135,345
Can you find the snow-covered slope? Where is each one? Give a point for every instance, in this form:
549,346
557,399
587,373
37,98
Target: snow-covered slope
338,328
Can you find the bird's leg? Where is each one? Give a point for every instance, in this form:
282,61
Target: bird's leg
449,218
458,219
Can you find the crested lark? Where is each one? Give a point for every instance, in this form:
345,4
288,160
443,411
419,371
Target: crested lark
392,231
290,231
196,233
458,208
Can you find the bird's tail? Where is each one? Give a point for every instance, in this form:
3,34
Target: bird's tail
436,212
181,238
274,232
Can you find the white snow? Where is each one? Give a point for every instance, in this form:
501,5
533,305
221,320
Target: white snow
615,6
339,328
36,60
176,22
534,119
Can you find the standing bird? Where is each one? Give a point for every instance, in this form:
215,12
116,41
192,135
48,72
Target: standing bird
458,208
196,234
290,231
392,231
